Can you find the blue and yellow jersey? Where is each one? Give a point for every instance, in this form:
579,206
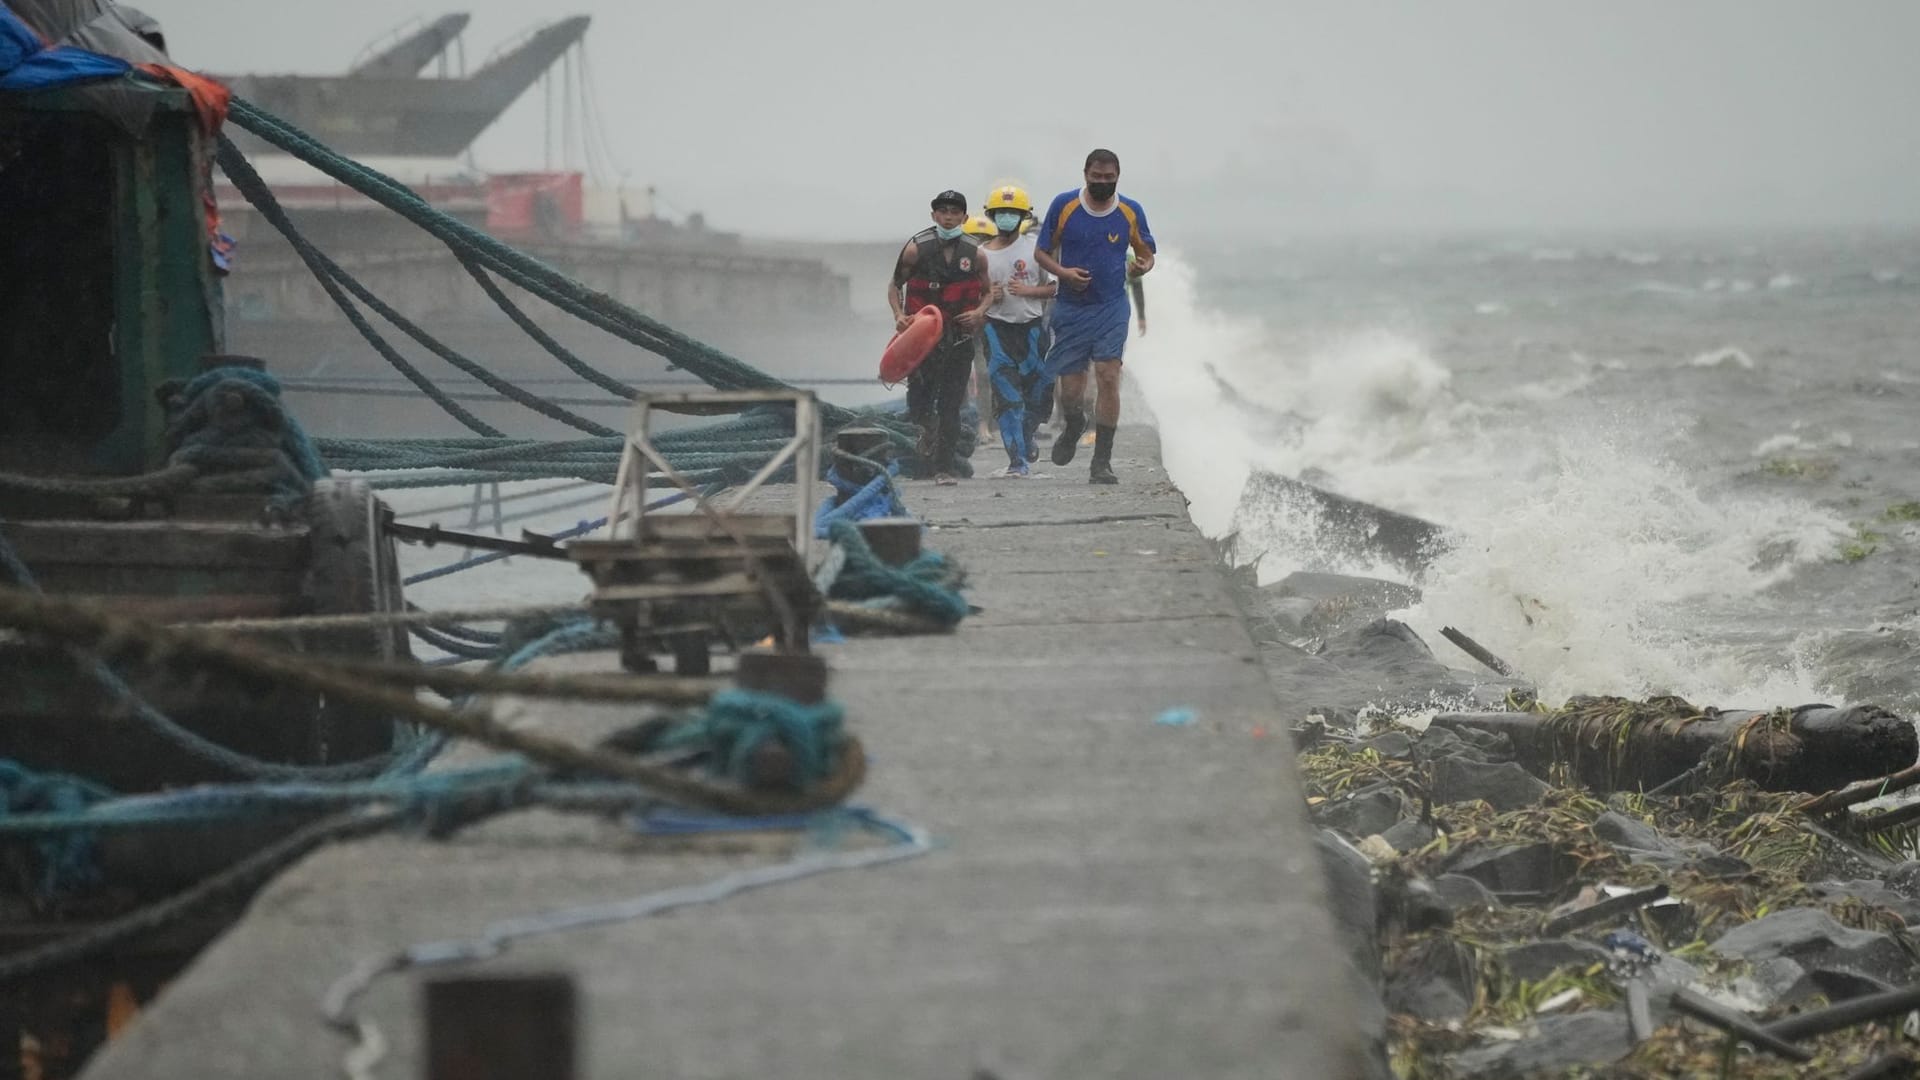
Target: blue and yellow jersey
1098,243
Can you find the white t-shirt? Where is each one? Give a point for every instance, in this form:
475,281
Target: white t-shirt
1015,265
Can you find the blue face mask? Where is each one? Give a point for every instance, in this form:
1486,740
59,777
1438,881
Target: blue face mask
1007,220
948,234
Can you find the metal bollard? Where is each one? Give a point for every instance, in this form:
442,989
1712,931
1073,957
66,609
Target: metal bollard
209,361
501,1027
794,676
895,540
870,443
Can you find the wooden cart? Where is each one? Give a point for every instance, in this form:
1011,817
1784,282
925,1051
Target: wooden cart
709,572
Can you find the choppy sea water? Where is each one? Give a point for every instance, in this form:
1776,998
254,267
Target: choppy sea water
1675,464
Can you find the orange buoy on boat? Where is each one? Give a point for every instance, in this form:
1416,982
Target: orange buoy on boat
910,346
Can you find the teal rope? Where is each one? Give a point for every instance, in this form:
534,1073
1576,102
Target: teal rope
262,197
704,361
258,446
929,585
235,165
483,255
434,345
545,340
293,440
736,723
69,859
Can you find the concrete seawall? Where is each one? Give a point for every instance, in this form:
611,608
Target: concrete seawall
1112,897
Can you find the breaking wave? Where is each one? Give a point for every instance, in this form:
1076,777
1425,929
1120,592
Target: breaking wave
1584,555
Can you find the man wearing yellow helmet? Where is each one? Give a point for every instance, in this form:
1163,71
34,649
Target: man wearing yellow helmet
982,230
1015,356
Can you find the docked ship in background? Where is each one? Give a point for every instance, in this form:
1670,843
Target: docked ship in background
786,311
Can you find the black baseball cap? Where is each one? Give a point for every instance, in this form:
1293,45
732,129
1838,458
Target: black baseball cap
950,198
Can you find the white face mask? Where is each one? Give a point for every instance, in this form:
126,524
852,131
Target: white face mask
945,233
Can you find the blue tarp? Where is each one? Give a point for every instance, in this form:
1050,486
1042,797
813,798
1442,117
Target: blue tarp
27,63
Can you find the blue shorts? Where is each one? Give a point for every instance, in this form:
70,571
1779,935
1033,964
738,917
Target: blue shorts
1084,333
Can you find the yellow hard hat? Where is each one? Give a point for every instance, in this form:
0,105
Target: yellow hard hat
979,226
1026,226
1009,197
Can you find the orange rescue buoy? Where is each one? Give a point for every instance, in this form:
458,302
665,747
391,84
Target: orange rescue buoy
910,346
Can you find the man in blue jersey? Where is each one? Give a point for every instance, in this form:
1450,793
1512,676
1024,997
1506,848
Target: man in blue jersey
1084,242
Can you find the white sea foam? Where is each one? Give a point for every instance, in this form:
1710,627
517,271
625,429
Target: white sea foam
1583,551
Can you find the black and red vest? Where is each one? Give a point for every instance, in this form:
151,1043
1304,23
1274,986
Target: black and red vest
946,275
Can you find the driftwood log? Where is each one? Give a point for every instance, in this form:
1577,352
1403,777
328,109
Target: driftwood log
1611,744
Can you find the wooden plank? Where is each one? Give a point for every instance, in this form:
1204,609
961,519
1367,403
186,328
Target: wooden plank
155,543
620,552
677,526
123,579
195,608
729,585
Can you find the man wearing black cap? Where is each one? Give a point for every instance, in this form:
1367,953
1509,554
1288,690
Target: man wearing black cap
941,266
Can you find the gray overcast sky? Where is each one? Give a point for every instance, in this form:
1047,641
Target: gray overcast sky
845,116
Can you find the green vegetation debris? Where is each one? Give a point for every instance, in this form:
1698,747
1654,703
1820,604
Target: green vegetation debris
1906,511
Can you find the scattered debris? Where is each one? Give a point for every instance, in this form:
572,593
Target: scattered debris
1549,934
1177,717
1563,892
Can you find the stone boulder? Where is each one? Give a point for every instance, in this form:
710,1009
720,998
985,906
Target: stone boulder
1361,816
1514,871
1462,893
1436,981
1784,947
1536,960
1505,786
1560,1043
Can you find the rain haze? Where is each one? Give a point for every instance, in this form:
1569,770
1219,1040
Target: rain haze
840,118
1473,436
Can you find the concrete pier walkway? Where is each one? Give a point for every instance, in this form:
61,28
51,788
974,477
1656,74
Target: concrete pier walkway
1113,897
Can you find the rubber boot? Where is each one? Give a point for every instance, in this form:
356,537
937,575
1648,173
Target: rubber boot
1101,472
1069,439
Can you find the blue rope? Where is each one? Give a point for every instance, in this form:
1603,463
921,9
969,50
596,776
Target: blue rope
878,498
